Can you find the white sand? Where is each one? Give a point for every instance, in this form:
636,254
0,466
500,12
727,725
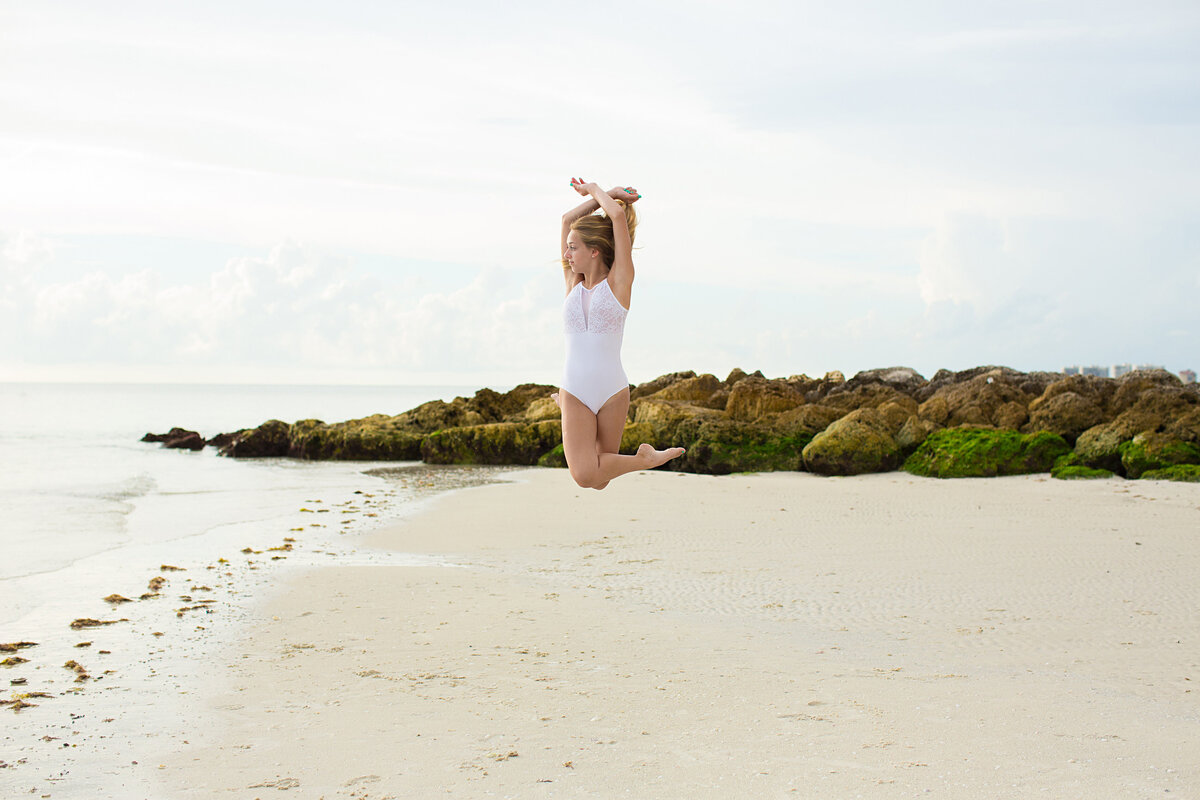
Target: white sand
746,636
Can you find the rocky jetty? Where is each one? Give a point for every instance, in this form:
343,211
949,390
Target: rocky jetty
979,422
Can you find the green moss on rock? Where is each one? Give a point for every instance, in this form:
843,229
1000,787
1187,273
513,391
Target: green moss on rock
985,452
1179,472
556,458
719,447
496,443
857,443
1155,451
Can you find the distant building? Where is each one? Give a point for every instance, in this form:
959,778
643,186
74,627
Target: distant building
1071,370
1187,376
1099,372
1121,369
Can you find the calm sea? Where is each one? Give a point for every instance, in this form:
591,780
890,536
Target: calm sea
81,498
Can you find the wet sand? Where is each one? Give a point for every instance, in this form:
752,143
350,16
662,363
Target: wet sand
744,636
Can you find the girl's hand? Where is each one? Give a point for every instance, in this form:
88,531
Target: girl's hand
627,194
584,189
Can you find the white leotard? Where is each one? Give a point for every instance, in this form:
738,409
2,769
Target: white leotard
594,321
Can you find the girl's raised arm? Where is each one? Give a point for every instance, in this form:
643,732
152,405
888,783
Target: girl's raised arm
620,276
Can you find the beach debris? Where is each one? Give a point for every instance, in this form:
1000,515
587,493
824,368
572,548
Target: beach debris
81,673
104,652
249,550
12,661
503,756
88,622
117,599
84,644
171,568
156,583
18,701
289,538
12,647
285,546
157,633
282,784
19,681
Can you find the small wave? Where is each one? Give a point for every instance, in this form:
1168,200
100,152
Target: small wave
131,488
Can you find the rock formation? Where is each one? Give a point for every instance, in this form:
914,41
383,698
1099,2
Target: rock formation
983,421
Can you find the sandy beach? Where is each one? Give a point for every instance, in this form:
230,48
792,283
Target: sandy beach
769,635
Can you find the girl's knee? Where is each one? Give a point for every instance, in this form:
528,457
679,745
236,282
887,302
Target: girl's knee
587,479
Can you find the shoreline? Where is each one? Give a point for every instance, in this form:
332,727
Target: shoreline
91,730
682,635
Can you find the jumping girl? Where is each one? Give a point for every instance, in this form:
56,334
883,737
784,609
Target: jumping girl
597,260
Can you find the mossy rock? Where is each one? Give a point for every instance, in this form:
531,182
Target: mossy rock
1179,472
985,452
369,439
719,447
1069,467
637,432
269,440
556,458
1155,451
857,443
496,443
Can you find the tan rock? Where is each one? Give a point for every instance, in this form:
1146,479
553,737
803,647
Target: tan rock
752,398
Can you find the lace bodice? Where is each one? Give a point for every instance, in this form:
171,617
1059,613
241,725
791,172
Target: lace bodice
604,316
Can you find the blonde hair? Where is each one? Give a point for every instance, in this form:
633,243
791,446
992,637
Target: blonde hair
596,231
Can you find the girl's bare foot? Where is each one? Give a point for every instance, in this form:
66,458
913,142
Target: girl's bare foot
656,458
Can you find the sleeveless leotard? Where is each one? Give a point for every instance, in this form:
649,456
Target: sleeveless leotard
594,331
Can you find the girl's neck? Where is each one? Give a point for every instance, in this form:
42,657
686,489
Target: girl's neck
594,278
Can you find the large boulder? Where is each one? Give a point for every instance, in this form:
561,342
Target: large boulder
1066,413
1154,451
1092,387
808,419
697,391
177,439
984,399
985,452
493,443
1152,411
269,440
663,417
1186,426
658,384
867,395
752,398
541,409
855,444
912,433
1133,387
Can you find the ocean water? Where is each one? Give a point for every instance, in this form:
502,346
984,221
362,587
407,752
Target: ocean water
80,496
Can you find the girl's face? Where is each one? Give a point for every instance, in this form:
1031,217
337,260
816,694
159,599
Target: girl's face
578,255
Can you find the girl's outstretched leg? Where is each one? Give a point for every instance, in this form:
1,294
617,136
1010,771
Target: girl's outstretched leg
590,442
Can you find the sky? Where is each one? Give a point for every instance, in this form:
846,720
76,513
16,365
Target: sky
370,193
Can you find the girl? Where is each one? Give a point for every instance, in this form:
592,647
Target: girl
597,259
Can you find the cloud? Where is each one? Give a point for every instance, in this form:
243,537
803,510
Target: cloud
296,310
